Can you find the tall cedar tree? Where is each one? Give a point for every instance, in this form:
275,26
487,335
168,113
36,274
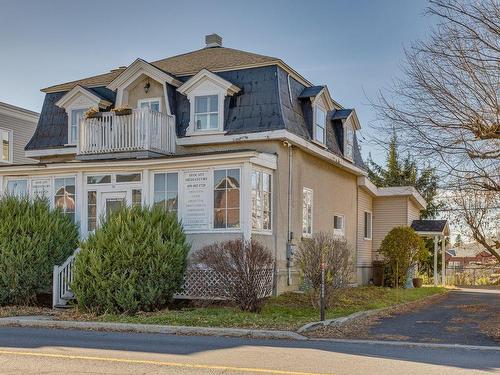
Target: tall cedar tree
404,172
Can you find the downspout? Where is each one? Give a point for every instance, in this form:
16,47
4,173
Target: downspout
289,215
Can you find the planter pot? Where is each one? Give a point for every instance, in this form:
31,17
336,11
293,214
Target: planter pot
123,112
417,282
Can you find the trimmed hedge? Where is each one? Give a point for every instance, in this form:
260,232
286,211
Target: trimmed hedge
33,238
134,262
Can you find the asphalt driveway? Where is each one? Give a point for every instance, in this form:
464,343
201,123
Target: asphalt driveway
464,316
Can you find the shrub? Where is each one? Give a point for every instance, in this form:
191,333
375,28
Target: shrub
134,261
335,254
246,266
402,247
33,238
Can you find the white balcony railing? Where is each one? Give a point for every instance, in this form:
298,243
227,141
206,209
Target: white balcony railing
141,130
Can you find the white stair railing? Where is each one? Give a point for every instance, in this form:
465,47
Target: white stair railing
62,277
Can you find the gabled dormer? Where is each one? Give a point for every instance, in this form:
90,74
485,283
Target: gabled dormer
346,123
206,93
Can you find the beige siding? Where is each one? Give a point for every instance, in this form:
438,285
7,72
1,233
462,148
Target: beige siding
136,92
364,246
22,130
413,211
388,212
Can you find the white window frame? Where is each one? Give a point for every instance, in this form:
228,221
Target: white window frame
241,224
304,229
11,179
339,232
10,135
317,107
69,111
349,146
271,206
149,100
369,238
206,90
208,114
53,204
179,177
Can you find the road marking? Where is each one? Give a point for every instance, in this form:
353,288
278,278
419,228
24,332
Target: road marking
160,363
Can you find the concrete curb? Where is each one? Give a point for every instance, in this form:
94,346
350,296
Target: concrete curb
409,344
339,322
44,322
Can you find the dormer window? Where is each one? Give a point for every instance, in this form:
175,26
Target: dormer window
319,125
206,112
206,93
349,142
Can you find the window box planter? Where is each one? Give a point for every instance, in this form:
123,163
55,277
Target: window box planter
94,115
123,112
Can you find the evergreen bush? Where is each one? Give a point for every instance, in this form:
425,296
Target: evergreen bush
402,247
33,238
134,262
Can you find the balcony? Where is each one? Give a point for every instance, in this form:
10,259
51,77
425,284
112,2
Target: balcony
142,131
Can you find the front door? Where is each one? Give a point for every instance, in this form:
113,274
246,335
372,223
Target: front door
111,202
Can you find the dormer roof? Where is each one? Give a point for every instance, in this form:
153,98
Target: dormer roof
205,75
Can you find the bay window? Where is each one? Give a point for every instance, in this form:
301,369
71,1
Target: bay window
226,198
206,112
261,201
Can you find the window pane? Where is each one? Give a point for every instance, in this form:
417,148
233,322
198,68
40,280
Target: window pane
220,199
214,121
214,100
4,137
233,176
136,197
155,106
261,200
17,188
172,181
105,179
233,198
201,122
220,179
201,104
159,183
233,218
131,177
172,201
320,117
219,218
320,135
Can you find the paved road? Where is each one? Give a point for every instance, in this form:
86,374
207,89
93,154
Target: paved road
454,319
50,351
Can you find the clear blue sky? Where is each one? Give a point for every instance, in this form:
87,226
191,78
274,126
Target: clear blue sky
355,47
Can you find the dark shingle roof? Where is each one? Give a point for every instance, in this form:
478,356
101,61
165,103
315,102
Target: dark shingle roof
310,92
429,225
214,59
340,114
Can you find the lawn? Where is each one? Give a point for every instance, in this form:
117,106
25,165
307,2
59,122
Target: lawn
287,312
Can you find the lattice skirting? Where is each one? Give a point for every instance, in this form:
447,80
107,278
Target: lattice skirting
211,285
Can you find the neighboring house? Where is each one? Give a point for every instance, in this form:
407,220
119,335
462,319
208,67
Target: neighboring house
237,144
470,254
17,126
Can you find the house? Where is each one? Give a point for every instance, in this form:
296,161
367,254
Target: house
469,254
17,126
237,144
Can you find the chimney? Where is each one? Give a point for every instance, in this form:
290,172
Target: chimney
213,40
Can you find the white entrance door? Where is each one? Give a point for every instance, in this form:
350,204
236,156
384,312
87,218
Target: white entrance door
111,202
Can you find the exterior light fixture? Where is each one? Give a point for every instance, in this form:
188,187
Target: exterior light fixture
146,87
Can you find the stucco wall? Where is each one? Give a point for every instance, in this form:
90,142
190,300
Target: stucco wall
364,246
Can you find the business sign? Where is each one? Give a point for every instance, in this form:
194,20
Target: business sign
40,188
196,200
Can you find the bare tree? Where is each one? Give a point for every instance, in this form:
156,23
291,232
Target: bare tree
478,213
445,108
335,254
